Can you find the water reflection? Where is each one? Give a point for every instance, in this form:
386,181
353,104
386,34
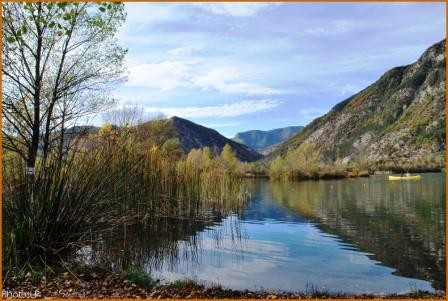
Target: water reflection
401,223
356,236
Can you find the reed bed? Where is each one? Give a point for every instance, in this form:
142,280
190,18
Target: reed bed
72,203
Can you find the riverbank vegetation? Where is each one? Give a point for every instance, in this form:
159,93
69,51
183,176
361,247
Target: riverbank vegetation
112,178
306,162
64,186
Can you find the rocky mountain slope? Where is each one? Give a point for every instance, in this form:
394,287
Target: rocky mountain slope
192,135
397,119
265,142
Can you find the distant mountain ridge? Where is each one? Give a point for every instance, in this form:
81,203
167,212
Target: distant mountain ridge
266,141
400,117
192,135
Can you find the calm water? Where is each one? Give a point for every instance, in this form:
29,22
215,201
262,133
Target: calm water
367,235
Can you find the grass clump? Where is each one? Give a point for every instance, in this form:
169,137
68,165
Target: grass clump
139,277
185,284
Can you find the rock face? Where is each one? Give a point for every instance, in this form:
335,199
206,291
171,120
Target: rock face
192,135
401,117
265,142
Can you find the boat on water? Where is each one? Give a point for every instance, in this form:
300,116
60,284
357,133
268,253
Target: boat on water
404,177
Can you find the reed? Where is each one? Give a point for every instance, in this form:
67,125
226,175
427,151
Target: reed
107,183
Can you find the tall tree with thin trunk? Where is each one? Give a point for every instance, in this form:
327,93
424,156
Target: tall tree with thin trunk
60,60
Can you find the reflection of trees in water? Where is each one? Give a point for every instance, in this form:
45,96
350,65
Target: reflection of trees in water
157,240
402,223
164,242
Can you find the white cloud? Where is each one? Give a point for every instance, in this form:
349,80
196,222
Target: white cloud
333,28
227,80
235,9
146,13
225,110
166,75
183,73
184,50
222,125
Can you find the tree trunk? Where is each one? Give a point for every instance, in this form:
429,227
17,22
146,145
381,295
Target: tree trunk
34,147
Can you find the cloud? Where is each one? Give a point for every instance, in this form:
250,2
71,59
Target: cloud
184,50
225,110
182,73
235,9
166,75
222,125
147,13
226,80
334,28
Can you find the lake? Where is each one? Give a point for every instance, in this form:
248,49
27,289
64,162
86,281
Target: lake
362,235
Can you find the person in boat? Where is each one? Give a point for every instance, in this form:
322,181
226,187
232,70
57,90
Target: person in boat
407,174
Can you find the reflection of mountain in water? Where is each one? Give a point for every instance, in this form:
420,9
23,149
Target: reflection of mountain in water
401,224
259,209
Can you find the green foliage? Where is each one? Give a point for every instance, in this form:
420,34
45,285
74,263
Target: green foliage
60,16
301,162
59,61
185,284
277,168
229,160
37,273
173,148
139,277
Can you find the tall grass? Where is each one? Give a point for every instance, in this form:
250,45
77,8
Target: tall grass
63,206
94,190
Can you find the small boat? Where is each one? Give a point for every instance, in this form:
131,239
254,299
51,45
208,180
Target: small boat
404,177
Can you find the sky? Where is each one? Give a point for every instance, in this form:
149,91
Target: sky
243,66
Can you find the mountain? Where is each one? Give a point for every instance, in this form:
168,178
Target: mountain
192,135
399,118
265,142
189,134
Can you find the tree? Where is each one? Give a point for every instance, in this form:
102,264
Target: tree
108,134
156,131
195,159
276,169
303,160
59,61
125,117
207,157
229,158
173,148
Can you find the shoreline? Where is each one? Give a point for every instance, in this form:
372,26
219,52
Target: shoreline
113,285
347,174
